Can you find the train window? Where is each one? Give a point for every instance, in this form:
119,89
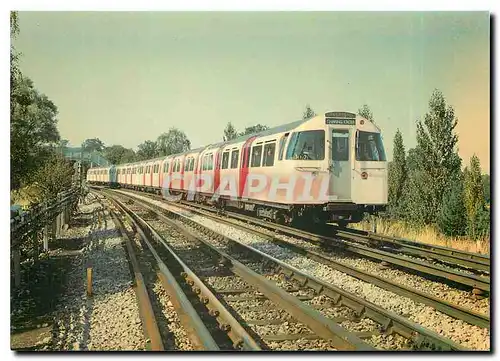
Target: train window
256,156
369,147
210,162
307,145
282,145
234,158
186,164
269,150
225,160
191,166
340,145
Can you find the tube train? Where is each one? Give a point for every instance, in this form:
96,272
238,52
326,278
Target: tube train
328,168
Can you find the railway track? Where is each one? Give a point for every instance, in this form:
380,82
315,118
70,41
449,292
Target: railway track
387,322
322,256
450,256
479,284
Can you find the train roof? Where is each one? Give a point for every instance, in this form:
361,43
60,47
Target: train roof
242,138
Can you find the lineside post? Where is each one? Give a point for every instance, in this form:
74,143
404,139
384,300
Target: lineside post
16,258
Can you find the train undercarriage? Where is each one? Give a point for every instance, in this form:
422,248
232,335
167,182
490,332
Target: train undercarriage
302,214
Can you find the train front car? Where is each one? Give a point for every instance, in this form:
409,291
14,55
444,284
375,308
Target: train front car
357,167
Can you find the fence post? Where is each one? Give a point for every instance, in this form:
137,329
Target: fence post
46,229
16,256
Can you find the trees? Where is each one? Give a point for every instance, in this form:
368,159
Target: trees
398,173
451,220
366,112
93,145
474,198
33,130
54,176
172,142
486,188
308,113
229,132
147,150
118,154
435,160
254,129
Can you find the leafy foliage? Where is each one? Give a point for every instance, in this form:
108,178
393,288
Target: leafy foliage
398,174
229,132
254,129
435,160
308,113
33,130
172,142
147,150
451,219
118,154
93,145
486,188
366,112
474,198
54,176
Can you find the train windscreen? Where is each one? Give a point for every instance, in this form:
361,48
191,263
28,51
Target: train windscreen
369,147
307,145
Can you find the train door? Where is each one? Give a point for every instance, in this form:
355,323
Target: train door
340,165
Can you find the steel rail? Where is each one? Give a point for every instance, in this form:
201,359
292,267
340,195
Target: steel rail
146,312
321,325
443,254
448,308
188,316
473,281
391,321
241,339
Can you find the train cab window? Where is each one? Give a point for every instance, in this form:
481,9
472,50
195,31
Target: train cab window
269,150
225,160
340,145
256,156
307,145
234,158
282,145
369,147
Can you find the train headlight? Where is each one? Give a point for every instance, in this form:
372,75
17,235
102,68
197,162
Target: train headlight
361,122
364,175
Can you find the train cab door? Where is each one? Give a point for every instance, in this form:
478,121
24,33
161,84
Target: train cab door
340,165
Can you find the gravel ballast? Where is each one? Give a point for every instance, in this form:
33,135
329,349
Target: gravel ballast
467,335
109,320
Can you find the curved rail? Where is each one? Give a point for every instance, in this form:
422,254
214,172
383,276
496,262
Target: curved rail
391,321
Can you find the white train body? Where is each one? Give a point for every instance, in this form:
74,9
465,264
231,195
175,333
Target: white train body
331,167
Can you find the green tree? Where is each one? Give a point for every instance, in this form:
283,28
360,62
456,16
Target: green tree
366,112
486,188
452,218
54,176
436,160
33,131
93,145
254,129
398,173
308,113
474,196
229,132
147,150
118,154
173,142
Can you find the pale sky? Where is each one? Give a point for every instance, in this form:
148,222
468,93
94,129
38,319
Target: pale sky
128,77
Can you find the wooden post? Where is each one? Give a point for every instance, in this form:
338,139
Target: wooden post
46,236
16,255
89,281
